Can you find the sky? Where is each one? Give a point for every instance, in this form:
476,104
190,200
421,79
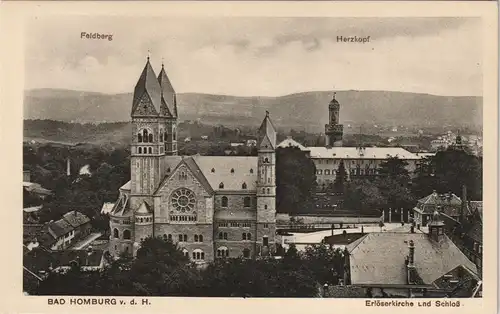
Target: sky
257,56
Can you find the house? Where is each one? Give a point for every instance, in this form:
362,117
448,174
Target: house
251,143
448,204
61,234
40,262
413,264
36,189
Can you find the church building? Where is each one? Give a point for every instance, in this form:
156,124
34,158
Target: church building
211,206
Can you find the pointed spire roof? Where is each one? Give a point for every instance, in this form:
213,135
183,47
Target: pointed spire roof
334,101
267,132
147,84
168,93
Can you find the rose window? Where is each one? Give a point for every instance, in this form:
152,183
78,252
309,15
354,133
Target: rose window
183,200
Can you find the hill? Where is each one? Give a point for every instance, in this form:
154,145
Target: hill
306,110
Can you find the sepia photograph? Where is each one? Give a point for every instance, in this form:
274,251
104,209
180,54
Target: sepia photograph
253,157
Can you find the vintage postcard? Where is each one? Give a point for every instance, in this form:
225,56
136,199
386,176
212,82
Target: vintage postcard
196,156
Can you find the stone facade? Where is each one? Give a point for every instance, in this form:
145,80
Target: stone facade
209,207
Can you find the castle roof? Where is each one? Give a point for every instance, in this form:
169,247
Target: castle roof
168,94
147,85
361,153
379,258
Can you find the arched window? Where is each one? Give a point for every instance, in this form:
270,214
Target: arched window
232,170
246,253
150,138
195,238
126,234
244,236
185,252
116,234
224,201
246,201
174,133
263,191
327,171
168,169
225,235
221,185
161,135
221,236
244,186
251,170
249,236
145,136
150,150
222,251
185,238
180,237
169,237
266,160
268,191
139,138
140,150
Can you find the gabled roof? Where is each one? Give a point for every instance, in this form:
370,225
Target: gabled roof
59,228
361,153
44,260
147,84
290,142
448,203
168,94
231,171
379,258
268,130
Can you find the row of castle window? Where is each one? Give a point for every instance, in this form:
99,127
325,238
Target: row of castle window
126,234
144,150
232,170
352,162
357,171
238,224
184,238
182,218
224,252
144,219
244,236
146,137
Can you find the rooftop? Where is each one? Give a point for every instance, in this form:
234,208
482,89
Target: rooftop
362,153
379,258
448,203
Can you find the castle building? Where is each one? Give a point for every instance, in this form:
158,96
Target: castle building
211,206
358,161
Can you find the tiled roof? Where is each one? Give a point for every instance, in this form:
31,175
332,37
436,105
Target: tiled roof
290,142
168,93
59,228
198,173
147,84
463,285
267,130
245,171
361,153
379,258
448,203
76,219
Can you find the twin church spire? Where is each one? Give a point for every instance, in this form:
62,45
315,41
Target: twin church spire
154,95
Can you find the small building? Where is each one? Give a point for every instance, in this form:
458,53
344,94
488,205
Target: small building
413,264
251,143
448,203
61,234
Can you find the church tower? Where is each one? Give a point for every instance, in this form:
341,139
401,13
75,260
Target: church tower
333,130
169,112
148,128
266,188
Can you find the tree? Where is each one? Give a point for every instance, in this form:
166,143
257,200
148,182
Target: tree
295,180
361,194
340,179
395,168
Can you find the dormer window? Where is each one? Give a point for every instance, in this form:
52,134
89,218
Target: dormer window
232,170
244,186
168,170
221,185
213,170
251,170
